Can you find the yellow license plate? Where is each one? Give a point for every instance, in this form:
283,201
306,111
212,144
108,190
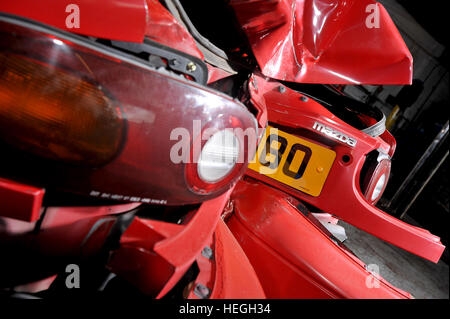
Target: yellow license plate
293,161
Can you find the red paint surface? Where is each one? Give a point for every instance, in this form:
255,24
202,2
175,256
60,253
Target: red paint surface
123,20
324,41
291,256
341,194
20,201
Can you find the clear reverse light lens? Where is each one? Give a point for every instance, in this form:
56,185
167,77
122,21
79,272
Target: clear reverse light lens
218,156
379,187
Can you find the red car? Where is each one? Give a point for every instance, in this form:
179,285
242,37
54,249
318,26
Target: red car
138,152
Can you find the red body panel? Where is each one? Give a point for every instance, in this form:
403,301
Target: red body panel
341,194
20,201
154,255
291,256
324,41
162,27
123,20
65,232
228,273
67,224
69,230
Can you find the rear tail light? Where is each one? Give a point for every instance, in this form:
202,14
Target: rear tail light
218,156
222,154
97,121
375,179
56,114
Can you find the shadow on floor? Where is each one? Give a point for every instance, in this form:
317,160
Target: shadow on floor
420,277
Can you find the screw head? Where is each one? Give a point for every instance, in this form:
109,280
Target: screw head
304,99
201,291
281,89
191,67
207,252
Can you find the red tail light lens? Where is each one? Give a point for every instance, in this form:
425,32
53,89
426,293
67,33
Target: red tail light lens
67,100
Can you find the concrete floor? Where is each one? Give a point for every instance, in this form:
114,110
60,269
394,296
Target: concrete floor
421,278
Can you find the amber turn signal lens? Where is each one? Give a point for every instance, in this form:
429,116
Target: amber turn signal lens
56,114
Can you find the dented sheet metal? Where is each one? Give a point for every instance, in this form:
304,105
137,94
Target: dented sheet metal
325,41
